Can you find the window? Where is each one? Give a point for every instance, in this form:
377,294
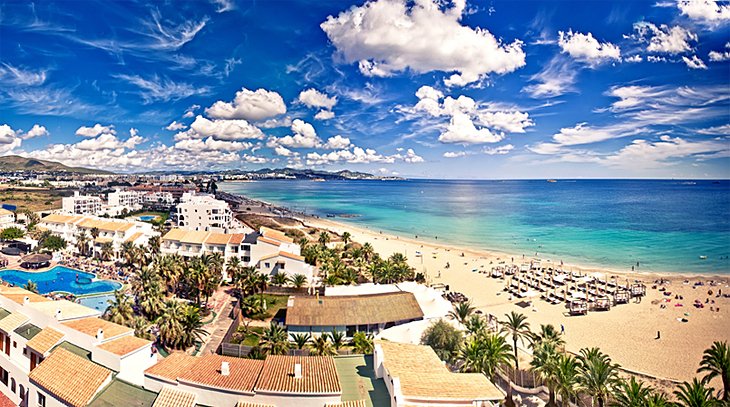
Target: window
281,265
22,392
266,265
246,259
12,385
41,400
246,247
4,376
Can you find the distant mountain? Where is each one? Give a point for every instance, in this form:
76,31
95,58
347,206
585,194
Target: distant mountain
12,163
292,173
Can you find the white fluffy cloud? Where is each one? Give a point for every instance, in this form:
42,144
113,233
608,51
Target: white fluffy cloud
584,47
390,36
557,78
694,62
314,98
249,105
226,130
36,131
469,122
337,143
9,139
211,144
324,115
720,56
358,155
175,126
96,130
665,39
304,136
705,11
647,154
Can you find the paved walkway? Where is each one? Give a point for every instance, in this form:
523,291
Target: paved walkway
219,326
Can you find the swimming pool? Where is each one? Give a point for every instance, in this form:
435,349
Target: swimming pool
148,218
97,302
62,279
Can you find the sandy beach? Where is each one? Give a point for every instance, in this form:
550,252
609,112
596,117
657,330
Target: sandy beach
627,332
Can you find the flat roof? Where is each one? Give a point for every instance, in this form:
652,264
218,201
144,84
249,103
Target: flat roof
424,376
353,309
121,393
69,309
358,381
70,378
319,375
27,331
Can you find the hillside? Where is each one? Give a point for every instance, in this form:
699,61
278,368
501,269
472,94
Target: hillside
10,163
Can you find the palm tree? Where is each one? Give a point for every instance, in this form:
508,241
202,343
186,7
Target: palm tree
120,309
192,325
461,311
346,237
367,251
298,280
107,251
517,326
597,376
716,362
545,363
82,243
280,279
301,339
566,377
476,325
169,325
140,326
324,238
657,400
548,333
320,346
31,286
127,252
337,338
695,394
630,394
274,340
486,354
94,232
362,343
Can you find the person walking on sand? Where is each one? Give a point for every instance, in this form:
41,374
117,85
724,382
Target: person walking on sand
562,329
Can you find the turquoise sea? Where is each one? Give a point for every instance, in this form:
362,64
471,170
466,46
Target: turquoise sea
664,225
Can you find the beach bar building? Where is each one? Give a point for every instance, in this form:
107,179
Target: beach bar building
351,313
415,376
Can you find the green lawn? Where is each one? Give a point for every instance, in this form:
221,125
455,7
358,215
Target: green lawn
252,337
273,304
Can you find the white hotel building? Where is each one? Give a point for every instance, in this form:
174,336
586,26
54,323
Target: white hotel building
59,353
115,231
81,204
203,212
269,250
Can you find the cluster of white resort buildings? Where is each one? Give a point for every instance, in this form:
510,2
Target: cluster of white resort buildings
60,353
117,202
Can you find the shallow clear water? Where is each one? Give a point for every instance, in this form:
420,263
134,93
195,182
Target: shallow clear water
664,225
61,278
97,302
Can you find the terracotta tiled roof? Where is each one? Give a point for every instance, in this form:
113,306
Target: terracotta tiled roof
90,326
319,375
269,241
134,237
12,321
247,404
171,397
276,235
291,256
124,345
207,372
218,238
423,375
45,340
194,237
5,212
171,367
58,218
70,378
17,294
353,309
102,240
237,238
174,234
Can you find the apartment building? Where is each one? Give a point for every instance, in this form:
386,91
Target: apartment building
269,250
203,212
114,231
81,204
7,218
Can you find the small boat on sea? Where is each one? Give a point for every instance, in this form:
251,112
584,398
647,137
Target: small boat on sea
703,257
551,180
331,215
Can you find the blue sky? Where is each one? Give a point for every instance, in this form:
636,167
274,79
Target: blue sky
462,89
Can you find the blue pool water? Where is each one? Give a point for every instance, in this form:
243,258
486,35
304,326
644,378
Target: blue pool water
62,279
667,225
97,302
147,218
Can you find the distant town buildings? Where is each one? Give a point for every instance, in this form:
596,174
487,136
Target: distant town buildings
7,218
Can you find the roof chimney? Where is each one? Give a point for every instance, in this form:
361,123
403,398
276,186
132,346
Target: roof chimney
26,300
290,301
58,314
297,370
225,369
100,335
